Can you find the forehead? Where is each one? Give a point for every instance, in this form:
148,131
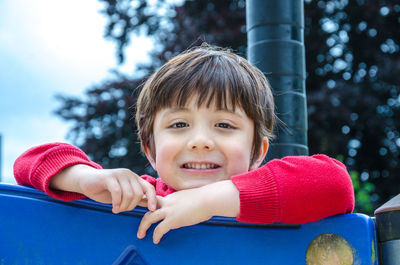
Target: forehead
203,102
203,109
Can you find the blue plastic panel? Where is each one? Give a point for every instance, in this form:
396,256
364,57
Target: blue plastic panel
36,229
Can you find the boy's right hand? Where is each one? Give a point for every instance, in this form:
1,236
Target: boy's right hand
121,187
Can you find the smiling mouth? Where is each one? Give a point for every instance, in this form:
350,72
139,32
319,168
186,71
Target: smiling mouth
200,166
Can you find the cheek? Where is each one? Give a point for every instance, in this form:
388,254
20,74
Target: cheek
239,158
165,154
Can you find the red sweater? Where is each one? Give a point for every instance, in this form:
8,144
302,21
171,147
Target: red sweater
295,189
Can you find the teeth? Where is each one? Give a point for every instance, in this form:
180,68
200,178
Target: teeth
199,166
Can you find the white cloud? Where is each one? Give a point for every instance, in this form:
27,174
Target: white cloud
63,40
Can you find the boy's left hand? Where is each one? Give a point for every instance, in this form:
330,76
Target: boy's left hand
190,207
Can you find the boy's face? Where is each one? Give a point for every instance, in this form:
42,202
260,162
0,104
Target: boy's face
198,146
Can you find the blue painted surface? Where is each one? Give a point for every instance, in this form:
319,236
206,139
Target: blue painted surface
36,229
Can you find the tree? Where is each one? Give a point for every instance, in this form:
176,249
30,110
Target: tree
103,125
353,91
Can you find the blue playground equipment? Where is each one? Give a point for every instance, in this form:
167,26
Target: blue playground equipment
37,229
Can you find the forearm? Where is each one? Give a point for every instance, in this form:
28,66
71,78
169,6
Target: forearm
68,178
221,198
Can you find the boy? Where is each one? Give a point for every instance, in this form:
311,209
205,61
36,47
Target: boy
204,120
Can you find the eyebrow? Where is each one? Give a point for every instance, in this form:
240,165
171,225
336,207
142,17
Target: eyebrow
175,110
179,109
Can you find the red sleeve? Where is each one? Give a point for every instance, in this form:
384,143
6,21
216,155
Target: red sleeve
295,189
36,166
161,188
150,180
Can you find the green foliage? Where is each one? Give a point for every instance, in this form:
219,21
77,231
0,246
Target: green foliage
363,193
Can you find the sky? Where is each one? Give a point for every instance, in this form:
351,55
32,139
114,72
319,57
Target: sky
49,47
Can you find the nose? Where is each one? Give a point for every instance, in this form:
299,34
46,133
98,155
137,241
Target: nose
201,140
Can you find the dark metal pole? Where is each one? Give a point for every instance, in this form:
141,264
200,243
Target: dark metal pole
275,36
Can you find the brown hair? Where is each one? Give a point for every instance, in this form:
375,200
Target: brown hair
214,75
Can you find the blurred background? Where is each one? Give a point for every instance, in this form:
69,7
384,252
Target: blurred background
69,72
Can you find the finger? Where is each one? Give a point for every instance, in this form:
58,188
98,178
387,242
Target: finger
148,219
137,193
160,230
142,202
127,193
150,193
115,190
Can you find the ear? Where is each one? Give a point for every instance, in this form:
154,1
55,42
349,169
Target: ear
262,154
150,157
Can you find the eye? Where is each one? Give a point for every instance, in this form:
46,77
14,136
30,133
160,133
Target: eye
224,125
177,125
